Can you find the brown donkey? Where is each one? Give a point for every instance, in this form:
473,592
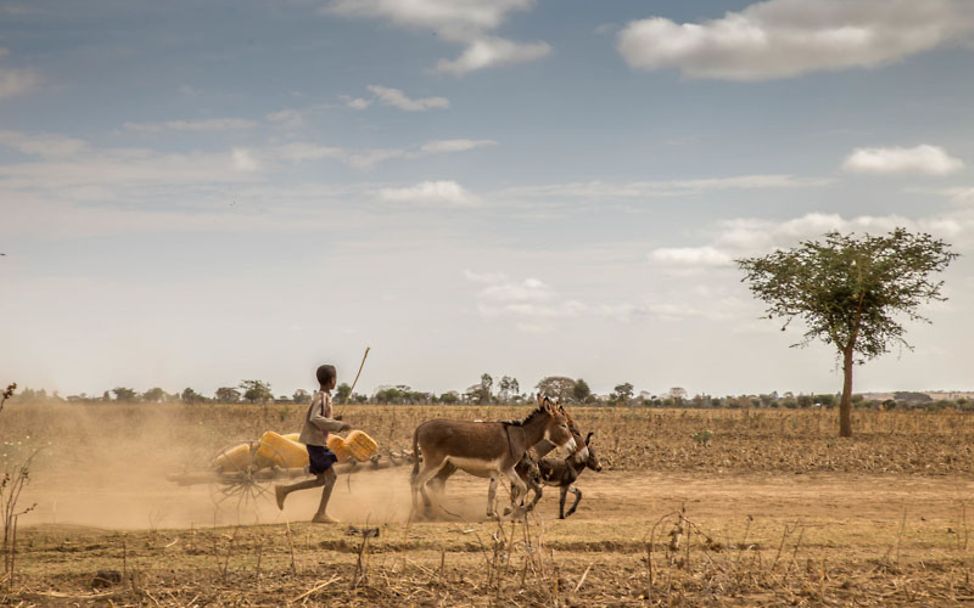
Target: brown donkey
485,449
527,466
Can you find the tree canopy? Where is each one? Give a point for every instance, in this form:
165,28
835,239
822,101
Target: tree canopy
853,292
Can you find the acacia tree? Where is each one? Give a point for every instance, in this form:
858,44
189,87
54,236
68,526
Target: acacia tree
557,386
851,292
256,391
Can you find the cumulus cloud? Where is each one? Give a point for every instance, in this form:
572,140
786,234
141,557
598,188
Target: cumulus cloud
690,256
397,99
442,146
466,22
742,237
435,193
492,51
209,124
529,300
786,38
15,82
922,159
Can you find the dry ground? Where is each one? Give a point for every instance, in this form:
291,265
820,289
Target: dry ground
789,532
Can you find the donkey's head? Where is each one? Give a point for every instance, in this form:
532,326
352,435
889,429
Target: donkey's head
558,431
592,461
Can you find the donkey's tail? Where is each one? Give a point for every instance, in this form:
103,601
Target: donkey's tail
415,453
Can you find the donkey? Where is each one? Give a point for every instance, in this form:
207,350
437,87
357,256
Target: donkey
527,468
560,472
485,449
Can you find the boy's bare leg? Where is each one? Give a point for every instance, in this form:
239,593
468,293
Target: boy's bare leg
281,492
321,517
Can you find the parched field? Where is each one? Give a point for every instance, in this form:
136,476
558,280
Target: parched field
695,508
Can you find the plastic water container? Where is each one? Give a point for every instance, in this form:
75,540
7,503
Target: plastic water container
360,445
337,445
277,450
292,436
235,459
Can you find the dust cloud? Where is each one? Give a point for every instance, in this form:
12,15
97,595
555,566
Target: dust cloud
106,466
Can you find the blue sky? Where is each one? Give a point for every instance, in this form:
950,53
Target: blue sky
198,193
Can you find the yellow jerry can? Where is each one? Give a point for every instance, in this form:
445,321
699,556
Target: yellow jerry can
357,445
337,445
277,450
292,436
235,459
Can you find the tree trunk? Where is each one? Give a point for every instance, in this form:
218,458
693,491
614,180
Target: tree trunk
845,405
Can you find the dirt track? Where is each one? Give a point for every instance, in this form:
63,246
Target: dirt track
849,526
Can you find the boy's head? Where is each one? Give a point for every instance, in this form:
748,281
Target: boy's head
327,376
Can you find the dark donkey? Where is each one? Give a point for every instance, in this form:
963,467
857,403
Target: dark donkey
485,449
561,473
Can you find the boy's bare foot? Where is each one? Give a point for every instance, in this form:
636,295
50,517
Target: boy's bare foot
280,494
324,519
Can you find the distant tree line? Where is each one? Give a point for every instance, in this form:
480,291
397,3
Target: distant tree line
506,391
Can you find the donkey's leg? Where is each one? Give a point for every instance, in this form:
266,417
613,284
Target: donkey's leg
518,490
538,489
561,502
578,499
492,497
438,483
430,469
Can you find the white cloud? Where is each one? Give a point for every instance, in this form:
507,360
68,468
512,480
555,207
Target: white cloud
785,38
665,188
15,82
370,158
530,300
442,146
690,256
68,164
492,52
438,193
305,151
923,159
43,145
455,20
466,22
397,99
358,103
962,196
244,160
209,124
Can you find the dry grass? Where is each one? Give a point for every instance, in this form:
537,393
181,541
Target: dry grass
680,520
793,441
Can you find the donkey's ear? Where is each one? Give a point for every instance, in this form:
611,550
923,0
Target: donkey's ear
540,397
588,437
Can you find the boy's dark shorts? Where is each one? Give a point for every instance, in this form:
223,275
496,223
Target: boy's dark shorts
321,459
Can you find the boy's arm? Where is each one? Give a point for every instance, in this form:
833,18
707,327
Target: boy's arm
329,425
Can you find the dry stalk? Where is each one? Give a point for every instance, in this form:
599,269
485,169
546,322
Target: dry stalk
260,554
290,546
318,587
226,561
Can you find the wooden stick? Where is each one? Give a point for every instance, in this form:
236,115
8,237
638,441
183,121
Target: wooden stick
359,372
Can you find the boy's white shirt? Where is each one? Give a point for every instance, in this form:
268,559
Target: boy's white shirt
318,421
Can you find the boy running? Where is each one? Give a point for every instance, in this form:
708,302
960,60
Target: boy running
318,422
